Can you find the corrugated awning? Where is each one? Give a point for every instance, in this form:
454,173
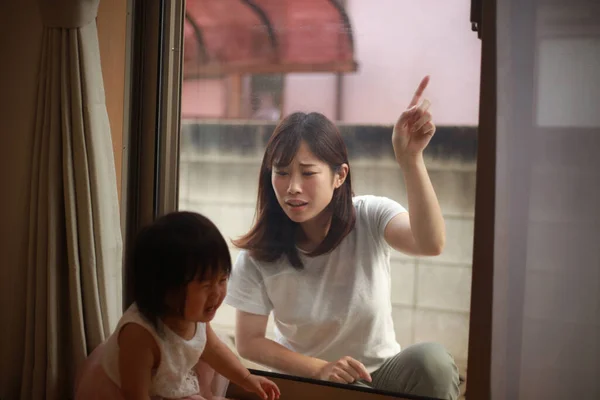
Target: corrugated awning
266,36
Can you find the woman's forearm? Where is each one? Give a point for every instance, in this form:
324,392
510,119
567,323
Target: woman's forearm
271,354
426,220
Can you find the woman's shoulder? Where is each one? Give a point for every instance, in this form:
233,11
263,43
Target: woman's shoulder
376,210
367,202
247,268
245,260
364,199
370,200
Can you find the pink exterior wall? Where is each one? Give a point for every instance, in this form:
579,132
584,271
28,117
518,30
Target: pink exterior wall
203,98
397,42
310,92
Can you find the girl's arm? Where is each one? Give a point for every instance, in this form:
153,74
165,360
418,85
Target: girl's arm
221,359
422,231
138,354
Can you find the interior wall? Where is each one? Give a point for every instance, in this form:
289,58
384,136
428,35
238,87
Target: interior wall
397,42
20,43
400,41
112,35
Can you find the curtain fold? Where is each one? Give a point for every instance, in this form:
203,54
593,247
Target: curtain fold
75,247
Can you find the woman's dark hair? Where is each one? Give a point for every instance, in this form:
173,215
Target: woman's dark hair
174,250
273,233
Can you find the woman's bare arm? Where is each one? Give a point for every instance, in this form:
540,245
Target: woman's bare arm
252,344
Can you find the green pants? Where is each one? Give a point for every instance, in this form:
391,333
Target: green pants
424,369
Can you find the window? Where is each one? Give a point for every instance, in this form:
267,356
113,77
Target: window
248,64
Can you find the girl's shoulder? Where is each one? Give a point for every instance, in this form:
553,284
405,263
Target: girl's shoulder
136,339
137,342
134,315
134,324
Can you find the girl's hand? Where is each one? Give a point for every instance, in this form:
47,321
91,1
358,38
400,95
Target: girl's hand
344,370
414,128
263,387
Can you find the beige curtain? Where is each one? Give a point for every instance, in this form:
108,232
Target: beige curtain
546,297
75,248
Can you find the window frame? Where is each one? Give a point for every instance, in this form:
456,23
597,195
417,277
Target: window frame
153,155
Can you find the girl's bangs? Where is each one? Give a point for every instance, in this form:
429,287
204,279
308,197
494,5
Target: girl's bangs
209,261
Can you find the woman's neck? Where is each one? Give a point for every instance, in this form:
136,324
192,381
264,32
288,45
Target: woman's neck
314,231
183,328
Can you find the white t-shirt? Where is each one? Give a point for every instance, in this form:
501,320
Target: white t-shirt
339,304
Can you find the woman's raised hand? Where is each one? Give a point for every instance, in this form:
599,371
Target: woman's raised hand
414,128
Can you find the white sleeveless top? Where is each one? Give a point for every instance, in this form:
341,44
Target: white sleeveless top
175,377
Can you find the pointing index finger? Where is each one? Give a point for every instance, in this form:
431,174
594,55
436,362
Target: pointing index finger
419,92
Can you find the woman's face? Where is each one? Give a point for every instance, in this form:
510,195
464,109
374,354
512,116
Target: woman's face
305,187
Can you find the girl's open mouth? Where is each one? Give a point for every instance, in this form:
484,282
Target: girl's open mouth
210,310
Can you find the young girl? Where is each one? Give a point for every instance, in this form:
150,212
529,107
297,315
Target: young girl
319,258
179,268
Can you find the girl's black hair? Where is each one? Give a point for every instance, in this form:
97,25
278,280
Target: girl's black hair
174,250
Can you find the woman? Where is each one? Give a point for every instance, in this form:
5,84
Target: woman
319,259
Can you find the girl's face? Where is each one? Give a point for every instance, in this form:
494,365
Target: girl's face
305,187
203,298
